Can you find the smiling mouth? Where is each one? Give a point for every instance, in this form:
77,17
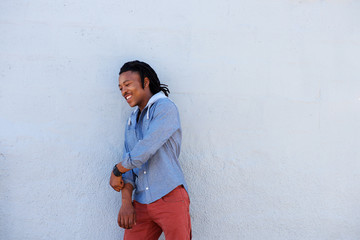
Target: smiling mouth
128,97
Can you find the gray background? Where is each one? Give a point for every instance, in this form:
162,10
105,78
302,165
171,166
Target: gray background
269,97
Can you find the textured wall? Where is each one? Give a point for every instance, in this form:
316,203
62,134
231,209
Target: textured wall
269,97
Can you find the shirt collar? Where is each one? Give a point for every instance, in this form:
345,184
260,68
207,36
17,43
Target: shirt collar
153,99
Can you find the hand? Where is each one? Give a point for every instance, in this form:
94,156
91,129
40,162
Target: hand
117,183
126,217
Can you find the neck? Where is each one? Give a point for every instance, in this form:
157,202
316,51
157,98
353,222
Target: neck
146,100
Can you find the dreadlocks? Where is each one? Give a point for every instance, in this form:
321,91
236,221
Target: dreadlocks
145,70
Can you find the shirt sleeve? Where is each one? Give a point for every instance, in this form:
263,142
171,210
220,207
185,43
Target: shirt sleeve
128,177
163,125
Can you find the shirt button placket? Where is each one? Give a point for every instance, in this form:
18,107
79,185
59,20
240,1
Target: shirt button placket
147,188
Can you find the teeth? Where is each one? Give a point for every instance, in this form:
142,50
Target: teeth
128,97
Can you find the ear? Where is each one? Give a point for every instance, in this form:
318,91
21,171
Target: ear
146,82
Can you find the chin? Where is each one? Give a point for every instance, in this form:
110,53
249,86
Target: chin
132,104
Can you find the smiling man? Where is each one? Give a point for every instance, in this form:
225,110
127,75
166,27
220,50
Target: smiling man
149,167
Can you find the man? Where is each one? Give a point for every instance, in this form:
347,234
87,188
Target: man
150,163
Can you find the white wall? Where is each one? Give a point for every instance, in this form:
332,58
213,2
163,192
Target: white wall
269,97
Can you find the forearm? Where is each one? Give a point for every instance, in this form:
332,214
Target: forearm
126,194
126,216
121,168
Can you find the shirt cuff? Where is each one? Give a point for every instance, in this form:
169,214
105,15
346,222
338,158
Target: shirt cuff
128,177
129,181
126,162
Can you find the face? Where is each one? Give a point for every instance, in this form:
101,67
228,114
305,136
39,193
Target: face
132,91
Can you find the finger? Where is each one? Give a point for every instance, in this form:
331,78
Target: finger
118,220
131,220
122,222
126,219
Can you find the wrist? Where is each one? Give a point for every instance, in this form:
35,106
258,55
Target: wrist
126,201
116,171
121,168
118,166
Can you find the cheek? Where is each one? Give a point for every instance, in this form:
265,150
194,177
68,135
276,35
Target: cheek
135,91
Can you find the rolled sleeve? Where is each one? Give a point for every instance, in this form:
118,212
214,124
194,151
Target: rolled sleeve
129,177
163,125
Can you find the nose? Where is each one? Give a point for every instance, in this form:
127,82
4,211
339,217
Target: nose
123,91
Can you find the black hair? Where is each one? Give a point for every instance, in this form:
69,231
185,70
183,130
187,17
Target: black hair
145,70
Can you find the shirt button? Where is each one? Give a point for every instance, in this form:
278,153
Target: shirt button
144,172
147,188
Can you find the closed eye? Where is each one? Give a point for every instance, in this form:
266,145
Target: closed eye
126,84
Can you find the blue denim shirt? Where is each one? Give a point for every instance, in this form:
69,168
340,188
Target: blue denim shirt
151,150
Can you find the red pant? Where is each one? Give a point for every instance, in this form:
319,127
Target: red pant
169,214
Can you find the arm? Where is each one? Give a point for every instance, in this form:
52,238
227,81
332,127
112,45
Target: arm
117,183
164,124
126,216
